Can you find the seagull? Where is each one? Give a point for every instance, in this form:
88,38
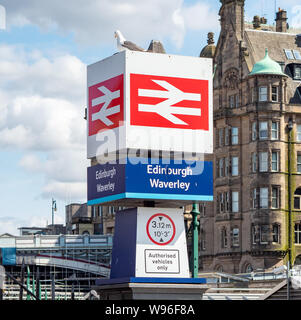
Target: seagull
123,44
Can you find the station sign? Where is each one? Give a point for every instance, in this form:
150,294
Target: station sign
161,243
138,178
150,243
149,101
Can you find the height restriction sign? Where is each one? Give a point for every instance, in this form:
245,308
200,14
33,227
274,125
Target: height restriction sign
160,229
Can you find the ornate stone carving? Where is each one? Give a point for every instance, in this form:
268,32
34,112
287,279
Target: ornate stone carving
231,79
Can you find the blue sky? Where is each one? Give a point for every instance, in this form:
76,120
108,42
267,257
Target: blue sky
44,51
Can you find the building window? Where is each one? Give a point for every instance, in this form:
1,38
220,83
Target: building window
235,237
231,102
264,234
263,94
254,131
297,54
93,211
237,101
202,240
226,136
220,137
276,233
234,166
263,130
289,54
297,73
274,94
275,161
235,201
264,199
249,268
275,197
226,167
227,202
299,132
275,131
254,162
221,167
221,202
100,211
263,161
255,200
224,238
255,234
298,233
299,163
234,135
297,196
202,209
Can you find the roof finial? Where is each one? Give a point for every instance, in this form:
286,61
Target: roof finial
210,38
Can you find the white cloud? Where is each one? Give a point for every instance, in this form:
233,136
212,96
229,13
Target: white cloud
296,20
94,21
11,224
63,190
200,17
41,114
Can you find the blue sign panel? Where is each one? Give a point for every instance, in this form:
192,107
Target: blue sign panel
142,178
105,181
8,256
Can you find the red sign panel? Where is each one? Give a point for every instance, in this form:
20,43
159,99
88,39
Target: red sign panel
169,102
106,110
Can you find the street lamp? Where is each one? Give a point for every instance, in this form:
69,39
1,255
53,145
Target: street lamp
195,241
289,128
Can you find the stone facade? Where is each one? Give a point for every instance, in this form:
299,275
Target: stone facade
247,228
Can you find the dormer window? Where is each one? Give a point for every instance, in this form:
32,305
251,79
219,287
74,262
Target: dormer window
289,54
297,72
297,54
294,70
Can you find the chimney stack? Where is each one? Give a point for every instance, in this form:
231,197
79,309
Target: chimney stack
281,21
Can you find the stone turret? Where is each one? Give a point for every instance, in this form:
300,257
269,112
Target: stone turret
232,16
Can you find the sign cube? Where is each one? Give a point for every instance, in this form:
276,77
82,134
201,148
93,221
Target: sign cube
149,101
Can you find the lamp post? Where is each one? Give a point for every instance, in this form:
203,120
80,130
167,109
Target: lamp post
53,208
289,263
195,241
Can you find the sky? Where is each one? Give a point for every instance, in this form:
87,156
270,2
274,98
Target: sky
45,47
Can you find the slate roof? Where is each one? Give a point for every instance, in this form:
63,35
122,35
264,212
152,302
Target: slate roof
256,41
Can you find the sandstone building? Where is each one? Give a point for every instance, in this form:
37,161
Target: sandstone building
255,222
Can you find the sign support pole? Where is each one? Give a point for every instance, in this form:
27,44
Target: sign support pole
195,241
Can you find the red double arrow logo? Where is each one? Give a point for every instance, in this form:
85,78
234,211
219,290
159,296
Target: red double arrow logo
170,102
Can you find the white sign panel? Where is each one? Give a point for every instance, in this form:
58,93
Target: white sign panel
149,101
161,249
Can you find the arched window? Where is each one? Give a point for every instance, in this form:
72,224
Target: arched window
248,268
219,268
